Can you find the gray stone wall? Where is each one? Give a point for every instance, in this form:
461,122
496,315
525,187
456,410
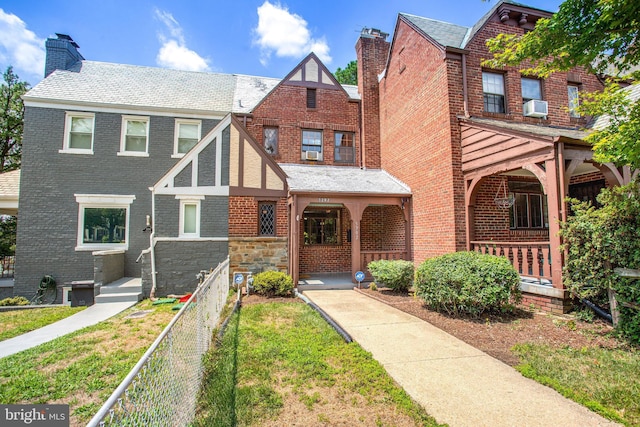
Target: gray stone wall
257,254
48,225
179,262
108,266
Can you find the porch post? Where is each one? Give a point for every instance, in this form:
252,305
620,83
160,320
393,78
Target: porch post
294,240
555,203
355,210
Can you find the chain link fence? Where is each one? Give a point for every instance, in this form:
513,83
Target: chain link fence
162,389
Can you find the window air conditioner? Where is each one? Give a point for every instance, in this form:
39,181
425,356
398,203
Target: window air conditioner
535,108
313,155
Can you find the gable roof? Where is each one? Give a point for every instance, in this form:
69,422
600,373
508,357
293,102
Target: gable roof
344,179
120,86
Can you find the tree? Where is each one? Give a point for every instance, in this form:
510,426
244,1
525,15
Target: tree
348,76
11,120
603,36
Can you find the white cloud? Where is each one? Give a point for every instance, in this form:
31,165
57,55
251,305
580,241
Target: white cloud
20,47
286,34
174,53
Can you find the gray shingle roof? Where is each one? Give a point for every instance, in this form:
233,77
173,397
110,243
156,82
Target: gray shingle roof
129,86
633,93
331,179
444,33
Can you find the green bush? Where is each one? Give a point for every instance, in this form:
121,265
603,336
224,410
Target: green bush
273,283
397,275
14,301
597,241
468,283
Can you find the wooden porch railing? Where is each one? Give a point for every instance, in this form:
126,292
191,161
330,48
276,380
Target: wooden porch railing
531,259
367,256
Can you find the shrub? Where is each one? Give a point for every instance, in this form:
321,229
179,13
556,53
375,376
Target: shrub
14,301
468,283
273,283
397,275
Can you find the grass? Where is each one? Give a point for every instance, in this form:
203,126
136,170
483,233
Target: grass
281,363
607,381
83,368
18,322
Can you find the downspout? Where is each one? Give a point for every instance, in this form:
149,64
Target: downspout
152,244
465,92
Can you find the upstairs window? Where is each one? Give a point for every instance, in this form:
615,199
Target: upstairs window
135,136
189,216
78,133
344,151
270,136
311,98
531,89
187,134
574,101
493,92
312,144
267,219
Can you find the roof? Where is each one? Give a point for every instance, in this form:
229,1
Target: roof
129,86
543,131
346,179
633,92
9,189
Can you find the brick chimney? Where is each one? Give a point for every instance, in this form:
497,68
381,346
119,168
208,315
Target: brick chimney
62,54
372,50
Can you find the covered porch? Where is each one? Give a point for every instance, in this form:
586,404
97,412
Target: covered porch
342,218
517,177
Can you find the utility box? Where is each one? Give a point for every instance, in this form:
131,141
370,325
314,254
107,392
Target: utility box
82,293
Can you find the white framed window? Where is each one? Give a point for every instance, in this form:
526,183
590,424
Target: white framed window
493,92
531,89
312,143
78,133
187,134
573,92
189,215
135,136
103,221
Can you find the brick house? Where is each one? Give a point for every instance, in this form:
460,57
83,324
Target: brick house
490,155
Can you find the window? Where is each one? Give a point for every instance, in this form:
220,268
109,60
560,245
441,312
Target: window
574,101
531,89
344,151
135,136
311,98
530,207
312,141
78,135
267,215
493,92
321,227
103,221
271,140
189,216
187,134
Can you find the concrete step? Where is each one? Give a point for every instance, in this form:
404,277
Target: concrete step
122,290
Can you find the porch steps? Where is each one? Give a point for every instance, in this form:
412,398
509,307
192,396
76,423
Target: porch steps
122,290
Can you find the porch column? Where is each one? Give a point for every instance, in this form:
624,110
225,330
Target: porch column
555,203
294,240
355,211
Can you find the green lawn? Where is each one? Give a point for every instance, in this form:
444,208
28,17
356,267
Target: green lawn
605,380
18,322
281,362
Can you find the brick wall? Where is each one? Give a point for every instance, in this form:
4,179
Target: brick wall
420,141
382,229
243,216
286,109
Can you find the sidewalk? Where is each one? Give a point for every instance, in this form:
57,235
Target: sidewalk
87,317
455,382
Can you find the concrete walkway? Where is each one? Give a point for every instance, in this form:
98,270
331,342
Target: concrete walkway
455,382
87,317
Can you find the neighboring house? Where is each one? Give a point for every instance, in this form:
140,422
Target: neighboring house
489,154
430,153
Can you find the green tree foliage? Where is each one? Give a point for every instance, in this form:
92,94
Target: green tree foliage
601,36
11,120
348,75
598,240
7,235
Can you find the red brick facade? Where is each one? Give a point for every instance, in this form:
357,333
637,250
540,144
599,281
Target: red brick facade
244,216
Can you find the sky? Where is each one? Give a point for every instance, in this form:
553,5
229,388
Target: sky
263,37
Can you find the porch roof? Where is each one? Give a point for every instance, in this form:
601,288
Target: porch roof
545,132
342,179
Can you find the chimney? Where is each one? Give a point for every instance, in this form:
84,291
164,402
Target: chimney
372,50
62,54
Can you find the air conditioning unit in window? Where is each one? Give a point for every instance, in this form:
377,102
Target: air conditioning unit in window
535,108
313,155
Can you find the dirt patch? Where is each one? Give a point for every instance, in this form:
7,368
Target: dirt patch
497,334
260,299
